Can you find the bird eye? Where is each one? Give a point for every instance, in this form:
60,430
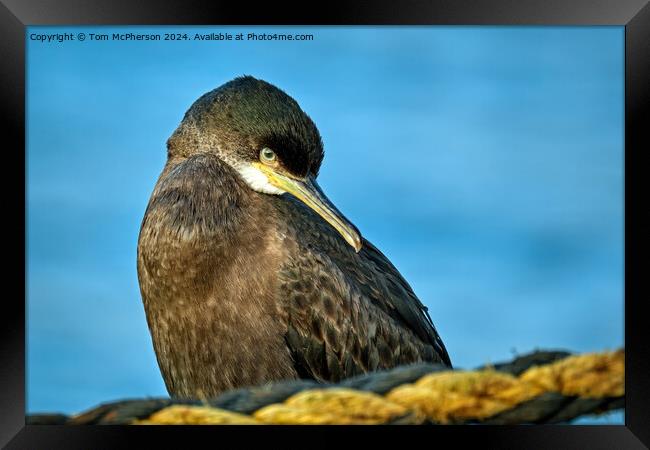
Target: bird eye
267,155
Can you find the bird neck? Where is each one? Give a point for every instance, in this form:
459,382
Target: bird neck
203,238
195,222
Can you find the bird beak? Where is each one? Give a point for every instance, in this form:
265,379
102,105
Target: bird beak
309,192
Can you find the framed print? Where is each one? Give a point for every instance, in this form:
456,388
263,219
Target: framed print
418,215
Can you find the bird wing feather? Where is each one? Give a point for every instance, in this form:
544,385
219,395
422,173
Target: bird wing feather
347,313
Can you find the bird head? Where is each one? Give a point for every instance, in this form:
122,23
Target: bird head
264,135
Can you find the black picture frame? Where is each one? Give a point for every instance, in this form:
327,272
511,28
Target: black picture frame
16,15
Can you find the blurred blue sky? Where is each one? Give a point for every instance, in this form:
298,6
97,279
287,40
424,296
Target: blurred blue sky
486,163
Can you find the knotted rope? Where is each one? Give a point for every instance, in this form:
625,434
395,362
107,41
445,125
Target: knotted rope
542,387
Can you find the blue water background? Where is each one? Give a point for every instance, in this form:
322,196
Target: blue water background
486,163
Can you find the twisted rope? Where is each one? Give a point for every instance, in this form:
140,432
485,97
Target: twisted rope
542,387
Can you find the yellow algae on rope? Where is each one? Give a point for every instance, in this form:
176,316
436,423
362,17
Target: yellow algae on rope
337,406
589,375
456,396
443,397
446,397
196,415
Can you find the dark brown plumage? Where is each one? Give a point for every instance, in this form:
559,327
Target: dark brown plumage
242,286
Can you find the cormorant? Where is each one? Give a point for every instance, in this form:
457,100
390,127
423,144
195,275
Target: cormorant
248,273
